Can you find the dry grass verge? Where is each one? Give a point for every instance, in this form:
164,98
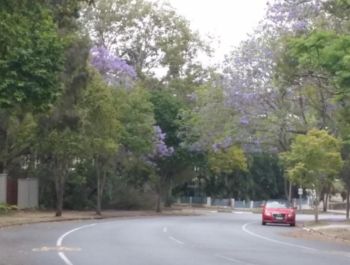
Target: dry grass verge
34,216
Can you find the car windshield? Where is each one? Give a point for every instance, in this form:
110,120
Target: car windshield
278,204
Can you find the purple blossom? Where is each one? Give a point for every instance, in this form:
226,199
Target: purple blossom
161,150
216,147
113,68
293,15
244,120
195,147
222,145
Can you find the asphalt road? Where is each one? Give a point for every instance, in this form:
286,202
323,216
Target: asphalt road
215,239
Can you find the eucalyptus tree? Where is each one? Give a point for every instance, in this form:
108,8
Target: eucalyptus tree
30,64
59,128
156,159
318,61
274,95
178,168
101,130
274,98
209,128
30,61
345,176
208,122
314,160
150,36
127,112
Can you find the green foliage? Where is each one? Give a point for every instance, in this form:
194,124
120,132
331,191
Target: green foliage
149,35
100,125
227,161
6,208
208,121
136,116
18,135
265,176
31,55
313,159
327,51
166,109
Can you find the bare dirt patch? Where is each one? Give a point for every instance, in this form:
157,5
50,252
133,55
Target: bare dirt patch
338,235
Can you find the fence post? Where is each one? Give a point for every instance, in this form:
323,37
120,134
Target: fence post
179,200
3,188
232,203
251,204
208,201
191,201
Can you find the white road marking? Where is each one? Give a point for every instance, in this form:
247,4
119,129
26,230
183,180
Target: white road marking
60,240
165,229
176,240
64,258
59,249
244,228
308,249
234,260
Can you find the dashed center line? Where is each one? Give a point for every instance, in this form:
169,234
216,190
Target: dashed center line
234,260
176,240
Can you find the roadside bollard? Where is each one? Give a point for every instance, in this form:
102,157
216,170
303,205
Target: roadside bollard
208,201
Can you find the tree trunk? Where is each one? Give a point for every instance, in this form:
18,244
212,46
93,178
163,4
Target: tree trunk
2,168
325,202
168,200
290,192
316,204
98,199
59,183
159,196
347,203
286,187
101,180
158,203
99,190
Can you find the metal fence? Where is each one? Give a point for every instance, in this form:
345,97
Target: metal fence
220,202
237,204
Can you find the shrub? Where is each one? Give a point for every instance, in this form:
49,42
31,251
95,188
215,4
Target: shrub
6,208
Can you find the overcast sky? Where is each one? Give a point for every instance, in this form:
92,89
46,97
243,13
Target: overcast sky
228,20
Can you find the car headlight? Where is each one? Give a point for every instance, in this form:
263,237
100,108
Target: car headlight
268,213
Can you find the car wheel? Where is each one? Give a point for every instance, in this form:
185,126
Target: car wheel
263,223
293,224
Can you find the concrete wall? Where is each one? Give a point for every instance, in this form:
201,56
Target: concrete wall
28,193
3,188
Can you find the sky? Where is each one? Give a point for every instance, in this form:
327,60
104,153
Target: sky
229,21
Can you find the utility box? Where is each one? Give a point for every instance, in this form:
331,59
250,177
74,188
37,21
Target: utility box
3,188
28,193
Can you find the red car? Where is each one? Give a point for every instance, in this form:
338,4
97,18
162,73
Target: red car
280,212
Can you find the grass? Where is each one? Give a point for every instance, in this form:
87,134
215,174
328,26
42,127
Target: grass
7,209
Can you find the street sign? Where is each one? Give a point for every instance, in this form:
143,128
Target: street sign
300,191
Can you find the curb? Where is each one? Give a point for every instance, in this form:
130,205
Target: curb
86,218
